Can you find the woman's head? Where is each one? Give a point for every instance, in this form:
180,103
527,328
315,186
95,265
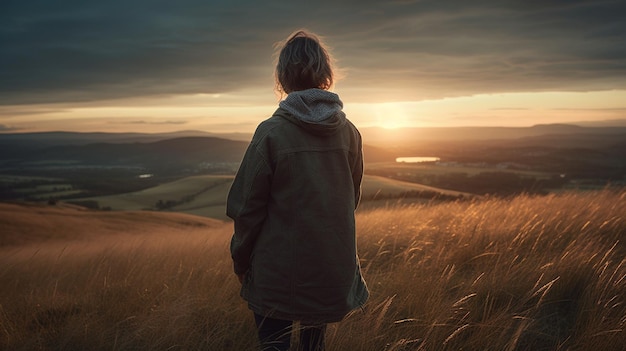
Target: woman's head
303,63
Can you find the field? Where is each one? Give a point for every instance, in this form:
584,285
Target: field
374,186
479,178
524,273
206,195
430,169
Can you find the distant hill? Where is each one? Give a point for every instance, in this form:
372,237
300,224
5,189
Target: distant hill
132,149
410,136
580,152
179,152
602,123
44,139
109,163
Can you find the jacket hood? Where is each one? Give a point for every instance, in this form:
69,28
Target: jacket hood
315,110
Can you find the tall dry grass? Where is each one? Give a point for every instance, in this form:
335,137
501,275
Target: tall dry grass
527,273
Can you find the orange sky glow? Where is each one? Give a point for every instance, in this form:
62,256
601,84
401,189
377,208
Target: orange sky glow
225,114
118,66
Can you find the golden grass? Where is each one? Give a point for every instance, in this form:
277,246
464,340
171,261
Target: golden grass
528,273
26,224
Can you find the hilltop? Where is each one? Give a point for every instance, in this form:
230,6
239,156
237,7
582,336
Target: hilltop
524,273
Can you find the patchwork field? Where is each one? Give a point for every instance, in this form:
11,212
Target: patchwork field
206,195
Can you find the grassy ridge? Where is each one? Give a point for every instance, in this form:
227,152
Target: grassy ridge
528,273
36,225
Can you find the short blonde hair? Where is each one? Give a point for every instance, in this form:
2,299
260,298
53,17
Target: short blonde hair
303,63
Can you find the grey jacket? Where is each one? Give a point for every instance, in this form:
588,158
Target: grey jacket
292,202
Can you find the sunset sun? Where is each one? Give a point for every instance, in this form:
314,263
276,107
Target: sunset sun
391,115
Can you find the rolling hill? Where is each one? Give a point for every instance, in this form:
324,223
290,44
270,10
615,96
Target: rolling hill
206,195
97,164
24,224
408,136
128,150
179,152
199,195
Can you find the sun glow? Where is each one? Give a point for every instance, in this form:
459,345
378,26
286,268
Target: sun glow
241,112
506,109
391,115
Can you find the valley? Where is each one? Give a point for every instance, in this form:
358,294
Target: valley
191,171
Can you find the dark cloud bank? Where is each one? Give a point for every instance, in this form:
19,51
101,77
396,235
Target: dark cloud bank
63,51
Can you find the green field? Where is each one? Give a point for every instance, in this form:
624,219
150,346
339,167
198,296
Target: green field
16,179
386,187
38,188
503,179
429,169
190,195
206,195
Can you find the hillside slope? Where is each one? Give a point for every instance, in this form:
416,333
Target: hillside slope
522,273
27,223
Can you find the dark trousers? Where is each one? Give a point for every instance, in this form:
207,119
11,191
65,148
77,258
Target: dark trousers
275,334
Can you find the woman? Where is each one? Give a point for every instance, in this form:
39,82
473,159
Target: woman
293,201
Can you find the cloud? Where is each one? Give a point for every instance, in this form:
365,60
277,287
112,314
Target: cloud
79,52
71,50
477,47
5,128
616,109
510,109
16,111
157,122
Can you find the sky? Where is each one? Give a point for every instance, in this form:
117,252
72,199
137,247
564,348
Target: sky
159,66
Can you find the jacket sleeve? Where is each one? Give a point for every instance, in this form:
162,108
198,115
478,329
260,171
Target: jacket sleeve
247,205
357,172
